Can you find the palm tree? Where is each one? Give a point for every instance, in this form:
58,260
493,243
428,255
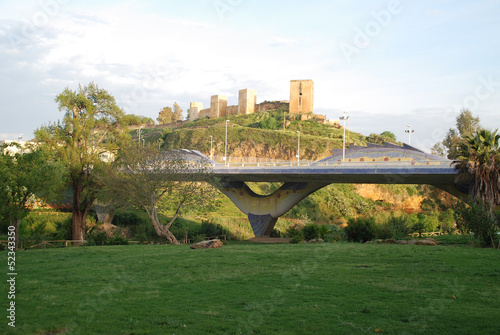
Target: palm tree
479,166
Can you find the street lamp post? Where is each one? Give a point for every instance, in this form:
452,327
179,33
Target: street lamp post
344,117
298,149
225,150
211,145
409,131
139,133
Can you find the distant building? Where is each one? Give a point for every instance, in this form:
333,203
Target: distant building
301,102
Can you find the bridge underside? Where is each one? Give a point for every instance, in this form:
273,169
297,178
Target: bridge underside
264,211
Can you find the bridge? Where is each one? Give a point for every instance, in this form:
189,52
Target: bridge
373,164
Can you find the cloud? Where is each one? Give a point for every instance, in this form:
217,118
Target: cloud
283,42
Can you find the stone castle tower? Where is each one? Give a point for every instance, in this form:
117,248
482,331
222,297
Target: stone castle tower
301,96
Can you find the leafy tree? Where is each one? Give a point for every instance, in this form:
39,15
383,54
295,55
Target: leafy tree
90,128
169,115
439,149
155,181
479,166
389,134
24,176
384,137
165,116
466,125
132,119
177,112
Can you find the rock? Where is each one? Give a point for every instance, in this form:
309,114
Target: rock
427,241
401,242
389,241
412,242
207,244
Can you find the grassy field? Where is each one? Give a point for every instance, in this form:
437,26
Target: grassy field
246,288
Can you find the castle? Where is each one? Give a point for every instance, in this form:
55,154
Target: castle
300,103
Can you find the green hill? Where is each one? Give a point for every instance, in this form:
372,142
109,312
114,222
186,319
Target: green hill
262,136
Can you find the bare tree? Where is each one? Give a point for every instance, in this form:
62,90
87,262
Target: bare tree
153,180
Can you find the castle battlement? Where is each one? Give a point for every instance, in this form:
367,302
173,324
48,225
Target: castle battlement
301,102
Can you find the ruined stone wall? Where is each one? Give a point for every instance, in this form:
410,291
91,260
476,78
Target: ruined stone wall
232,110
204,113
270,105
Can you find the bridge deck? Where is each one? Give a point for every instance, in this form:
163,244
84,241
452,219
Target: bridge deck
394,173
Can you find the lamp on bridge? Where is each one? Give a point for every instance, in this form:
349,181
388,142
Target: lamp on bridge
225,150
409,131
344,117
211,146
298,150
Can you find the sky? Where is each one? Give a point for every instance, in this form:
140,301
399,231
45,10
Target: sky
389,64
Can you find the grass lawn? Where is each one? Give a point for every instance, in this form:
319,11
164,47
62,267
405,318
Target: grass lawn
246,288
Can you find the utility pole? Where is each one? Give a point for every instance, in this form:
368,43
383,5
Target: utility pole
409,131
344,117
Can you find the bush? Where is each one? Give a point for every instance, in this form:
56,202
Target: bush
360,230
474,217
63,229
96,238
398,226
334,234
310,231
128,218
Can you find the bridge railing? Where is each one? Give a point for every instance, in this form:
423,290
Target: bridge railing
357,164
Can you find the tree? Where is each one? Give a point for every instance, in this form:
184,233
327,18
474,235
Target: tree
466,125
169,115
132,119
90,128
24,176
153,180
389,134
381,139
479,166
165,116
177,112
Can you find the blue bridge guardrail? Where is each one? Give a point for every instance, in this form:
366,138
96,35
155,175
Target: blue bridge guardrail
357,164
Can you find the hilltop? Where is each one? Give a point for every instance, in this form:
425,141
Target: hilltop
264,135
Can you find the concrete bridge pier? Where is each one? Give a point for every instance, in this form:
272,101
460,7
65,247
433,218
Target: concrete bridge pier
263,211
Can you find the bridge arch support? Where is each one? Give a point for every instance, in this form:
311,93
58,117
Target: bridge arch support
263,211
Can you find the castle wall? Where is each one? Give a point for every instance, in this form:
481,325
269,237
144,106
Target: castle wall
247,99
194,110
270,105
301,96
218,106
232,110
204,113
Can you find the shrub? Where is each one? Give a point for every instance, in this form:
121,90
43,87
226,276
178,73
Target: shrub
398,226
96,237
63,229
116,240
128,218
360,230
474,217
297,237
275,233
310,231
334,234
